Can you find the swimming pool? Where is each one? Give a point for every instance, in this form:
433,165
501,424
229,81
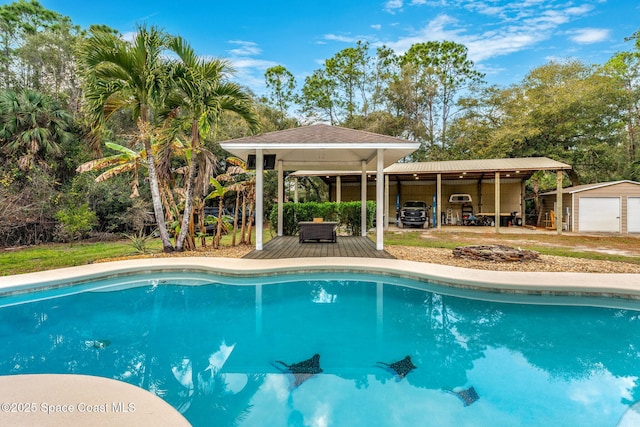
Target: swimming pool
210,347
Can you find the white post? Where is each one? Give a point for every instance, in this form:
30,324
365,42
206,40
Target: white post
295,190
338,188
559,201
259,197
363,200
380,200
280,198
497,202
439,201
386,202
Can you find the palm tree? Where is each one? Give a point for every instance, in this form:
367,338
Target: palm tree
202,96
128,75
32,126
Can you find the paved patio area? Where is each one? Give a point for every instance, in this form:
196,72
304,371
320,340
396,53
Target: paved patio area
346,246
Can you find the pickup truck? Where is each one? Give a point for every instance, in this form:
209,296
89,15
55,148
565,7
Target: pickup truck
415,213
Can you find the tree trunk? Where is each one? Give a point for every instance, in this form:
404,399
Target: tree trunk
235,220
248,241
216,242
188,203
243,229
157,200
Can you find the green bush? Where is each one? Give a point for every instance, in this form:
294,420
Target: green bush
347,214
75,222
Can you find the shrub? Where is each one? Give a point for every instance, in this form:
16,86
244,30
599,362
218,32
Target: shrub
347,214
75,222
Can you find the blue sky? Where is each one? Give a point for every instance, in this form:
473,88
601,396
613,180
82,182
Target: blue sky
506,39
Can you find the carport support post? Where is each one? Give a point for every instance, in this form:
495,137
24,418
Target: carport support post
439,201
559,201
380,200
363,200
280,197
497,204
259,197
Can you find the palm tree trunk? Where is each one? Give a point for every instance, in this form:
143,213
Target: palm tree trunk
188,204
157,200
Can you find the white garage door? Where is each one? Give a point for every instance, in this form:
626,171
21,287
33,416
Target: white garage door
599,214
633,214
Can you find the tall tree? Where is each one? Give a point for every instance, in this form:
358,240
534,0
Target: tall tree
20,21
281,84
202,95
569,111
435,73
319,100
349,69
625,67
128,75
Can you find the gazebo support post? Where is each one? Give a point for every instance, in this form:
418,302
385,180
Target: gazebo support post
280,198
439,201
380,200
363,200
338,189
259,197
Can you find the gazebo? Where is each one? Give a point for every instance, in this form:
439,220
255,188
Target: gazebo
320,147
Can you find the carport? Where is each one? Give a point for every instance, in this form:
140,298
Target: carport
320,147
476,178
495,186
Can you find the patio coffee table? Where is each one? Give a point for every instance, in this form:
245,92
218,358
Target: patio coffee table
317,231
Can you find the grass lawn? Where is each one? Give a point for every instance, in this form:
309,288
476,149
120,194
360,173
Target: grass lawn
612,248
57,255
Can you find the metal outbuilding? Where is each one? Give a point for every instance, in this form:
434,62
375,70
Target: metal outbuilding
495,187
604,207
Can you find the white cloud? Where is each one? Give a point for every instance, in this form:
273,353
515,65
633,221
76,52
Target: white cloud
393,5
249,70
590,35
340,38
516,26
246,48
376,26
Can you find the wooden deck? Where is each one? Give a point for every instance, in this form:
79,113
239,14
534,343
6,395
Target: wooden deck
290,247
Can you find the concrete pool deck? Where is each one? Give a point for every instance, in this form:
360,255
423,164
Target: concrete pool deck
546,283
75,390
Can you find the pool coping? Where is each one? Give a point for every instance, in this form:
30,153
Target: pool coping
48,389
620,285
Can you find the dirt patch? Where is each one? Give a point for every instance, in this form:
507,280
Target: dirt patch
544,263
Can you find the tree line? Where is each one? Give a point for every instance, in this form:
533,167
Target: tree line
583,114
106,134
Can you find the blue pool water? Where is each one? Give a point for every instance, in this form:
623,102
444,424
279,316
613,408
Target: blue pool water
210,349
